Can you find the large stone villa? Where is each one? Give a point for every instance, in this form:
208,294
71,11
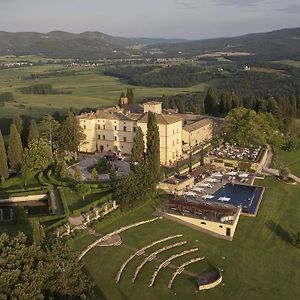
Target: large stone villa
114,129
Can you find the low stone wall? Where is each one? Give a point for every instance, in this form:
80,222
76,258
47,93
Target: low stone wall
213,284
24,198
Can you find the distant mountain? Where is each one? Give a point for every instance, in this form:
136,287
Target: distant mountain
151,41
284,43
278,44
59,44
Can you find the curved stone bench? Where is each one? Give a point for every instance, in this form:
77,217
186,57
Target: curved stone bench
142,251
182,267
166,262
210,280
153,255
107,236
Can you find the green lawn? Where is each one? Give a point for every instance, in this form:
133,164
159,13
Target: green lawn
88,89
288,159
259,263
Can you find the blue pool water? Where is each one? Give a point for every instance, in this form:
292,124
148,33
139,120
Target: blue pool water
246,196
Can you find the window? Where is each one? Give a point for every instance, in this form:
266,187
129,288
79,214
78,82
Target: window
134,129
84,126
203,223
116,138
124,139
124,128
99,137
124,122
103,137
221,226
103,126
115,127
99,127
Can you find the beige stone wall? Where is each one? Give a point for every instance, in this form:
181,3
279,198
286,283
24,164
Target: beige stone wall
170,141
177,189
197,136
154,107
107,135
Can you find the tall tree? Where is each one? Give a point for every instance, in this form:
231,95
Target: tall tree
34,133
78,174
15,149
3,159
18,121
51,127
138,148
71,134
153,148
211,102
130,95
37,156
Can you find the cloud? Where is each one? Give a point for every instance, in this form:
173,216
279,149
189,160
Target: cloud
187,4
291,9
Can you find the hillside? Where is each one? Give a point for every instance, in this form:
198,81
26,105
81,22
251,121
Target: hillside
273,45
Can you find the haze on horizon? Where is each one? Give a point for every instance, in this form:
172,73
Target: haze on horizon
191,19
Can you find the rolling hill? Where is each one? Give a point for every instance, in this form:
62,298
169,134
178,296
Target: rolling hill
273,45
277,44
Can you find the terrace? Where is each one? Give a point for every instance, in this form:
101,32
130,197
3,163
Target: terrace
232,152
203,210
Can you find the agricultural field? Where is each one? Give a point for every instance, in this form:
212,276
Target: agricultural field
258,264
289,62
86,88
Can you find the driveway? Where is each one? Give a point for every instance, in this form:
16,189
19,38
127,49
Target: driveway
87,161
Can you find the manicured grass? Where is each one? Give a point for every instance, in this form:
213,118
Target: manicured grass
259,263
88,89
288,159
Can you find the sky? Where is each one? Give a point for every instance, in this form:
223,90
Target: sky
190,19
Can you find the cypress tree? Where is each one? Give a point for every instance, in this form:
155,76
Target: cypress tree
18,121
71,134
3,159
138,147
33,132
15,150
153,148
211,102
130,95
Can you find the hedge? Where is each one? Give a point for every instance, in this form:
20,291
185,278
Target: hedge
104,200
64,201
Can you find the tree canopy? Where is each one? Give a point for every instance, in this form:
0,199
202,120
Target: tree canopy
37,156
245,127
29,271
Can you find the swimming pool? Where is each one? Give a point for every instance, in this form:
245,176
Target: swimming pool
247,196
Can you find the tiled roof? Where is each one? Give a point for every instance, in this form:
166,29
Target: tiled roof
104,114
161,119
197,125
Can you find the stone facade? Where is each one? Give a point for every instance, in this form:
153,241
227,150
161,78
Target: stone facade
197,132
114,130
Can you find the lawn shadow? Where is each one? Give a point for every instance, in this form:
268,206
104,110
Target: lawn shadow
279,231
